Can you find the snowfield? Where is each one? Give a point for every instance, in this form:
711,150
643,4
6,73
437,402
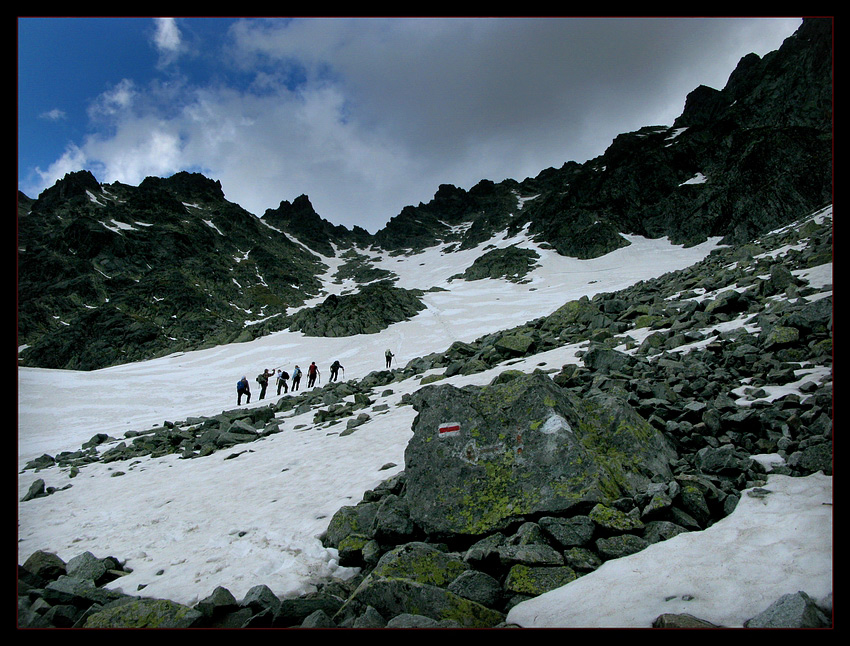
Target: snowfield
187,526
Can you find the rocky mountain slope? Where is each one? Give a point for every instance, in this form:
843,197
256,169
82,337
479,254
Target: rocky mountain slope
109,274
688,389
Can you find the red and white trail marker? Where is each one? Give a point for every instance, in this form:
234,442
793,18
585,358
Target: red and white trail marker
448,429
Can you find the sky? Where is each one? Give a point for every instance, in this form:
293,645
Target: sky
252,515
363,115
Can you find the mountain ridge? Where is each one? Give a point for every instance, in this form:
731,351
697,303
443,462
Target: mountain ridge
113,273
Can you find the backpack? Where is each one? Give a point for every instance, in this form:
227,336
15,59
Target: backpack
284,376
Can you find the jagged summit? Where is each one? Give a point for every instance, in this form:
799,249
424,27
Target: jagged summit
111,273
300,219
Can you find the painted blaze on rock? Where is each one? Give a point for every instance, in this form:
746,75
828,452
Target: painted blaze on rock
523,447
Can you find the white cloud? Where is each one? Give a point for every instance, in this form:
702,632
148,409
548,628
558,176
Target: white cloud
140,148
54,115
72,160
116,100
167,39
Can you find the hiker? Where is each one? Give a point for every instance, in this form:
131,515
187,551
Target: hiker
312,373
296,378
335,366
282,378
263,380
242,388
389,355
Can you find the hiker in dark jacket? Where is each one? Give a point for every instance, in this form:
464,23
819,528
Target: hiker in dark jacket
282,378
263,380
242,388
335,366
312,373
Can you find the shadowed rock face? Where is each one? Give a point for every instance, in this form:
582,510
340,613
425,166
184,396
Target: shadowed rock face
371,310
481,458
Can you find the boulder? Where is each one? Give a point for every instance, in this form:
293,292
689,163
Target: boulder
533,581
422,563
45,565
477,586
145,613
796,610
515,344
482,458
391,597
86,566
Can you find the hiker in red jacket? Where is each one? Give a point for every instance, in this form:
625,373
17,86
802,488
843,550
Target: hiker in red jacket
312,373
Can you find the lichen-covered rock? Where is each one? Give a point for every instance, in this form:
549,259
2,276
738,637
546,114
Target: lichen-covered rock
145,613
351,519
614,520
422,563
515,344
483,457
392,597
533,581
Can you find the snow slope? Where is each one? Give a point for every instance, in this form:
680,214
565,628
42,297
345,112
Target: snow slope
187,526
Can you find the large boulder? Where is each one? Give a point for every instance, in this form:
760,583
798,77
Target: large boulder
482,458
394,596
145,613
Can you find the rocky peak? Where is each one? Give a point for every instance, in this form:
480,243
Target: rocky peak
187,187
73,185
300,219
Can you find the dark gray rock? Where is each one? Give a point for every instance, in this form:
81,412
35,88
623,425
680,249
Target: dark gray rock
477,586
79,592
261,598
568,532
670,620
370,618
217,604
372,309
529,554
618,546
318,619
86,566
796,610
512,263
36,490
